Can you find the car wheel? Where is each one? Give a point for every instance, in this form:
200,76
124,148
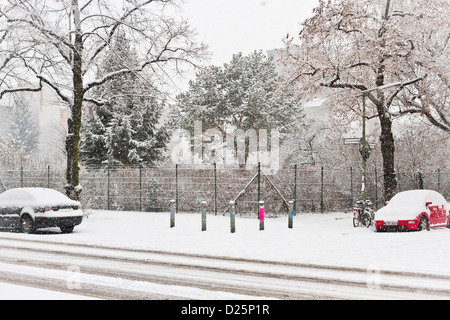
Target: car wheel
27,224
66,229
423,224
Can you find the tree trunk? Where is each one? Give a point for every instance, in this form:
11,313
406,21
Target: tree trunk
388,151
73,188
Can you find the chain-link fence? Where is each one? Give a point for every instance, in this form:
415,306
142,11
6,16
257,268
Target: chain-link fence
314,189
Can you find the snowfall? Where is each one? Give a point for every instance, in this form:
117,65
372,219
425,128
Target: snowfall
323,239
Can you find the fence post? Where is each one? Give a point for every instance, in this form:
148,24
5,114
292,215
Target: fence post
176,187
172,213
376,188
203,215
259,182
21,176
261,215
291,214
107,186
295,189
439,180
215,189
351,186
232,217
322,209
140,188
48,177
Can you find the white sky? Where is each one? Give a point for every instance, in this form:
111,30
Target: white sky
232,26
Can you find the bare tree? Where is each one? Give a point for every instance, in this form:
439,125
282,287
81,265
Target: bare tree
60,43
350,46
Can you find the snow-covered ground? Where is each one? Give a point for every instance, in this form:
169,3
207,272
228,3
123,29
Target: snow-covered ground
15,292
323,239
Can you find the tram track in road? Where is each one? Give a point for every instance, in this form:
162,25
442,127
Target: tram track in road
251,277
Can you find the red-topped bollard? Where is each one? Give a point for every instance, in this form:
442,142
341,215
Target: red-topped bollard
261,215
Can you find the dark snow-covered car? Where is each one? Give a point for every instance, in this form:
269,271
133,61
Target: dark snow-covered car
413,210
28,209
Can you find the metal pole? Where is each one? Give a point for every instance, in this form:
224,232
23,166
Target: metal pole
48,177
322,209
376,188
439,180
203,215
21,176
172,213
215,189
291,214
259,182
176,186
363,185
295,190
107,186
261,215
232,217
351,184
140,188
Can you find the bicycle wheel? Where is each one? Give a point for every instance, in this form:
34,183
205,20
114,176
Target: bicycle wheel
356,219
366,220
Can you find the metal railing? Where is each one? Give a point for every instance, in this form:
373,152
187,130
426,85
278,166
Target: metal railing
314,189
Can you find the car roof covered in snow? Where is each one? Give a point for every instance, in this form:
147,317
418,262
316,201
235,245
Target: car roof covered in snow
34,196
409,204
417,197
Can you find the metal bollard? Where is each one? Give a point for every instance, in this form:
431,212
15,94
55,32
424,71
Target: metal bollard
172,213
203,215
261,215
232,217
291,215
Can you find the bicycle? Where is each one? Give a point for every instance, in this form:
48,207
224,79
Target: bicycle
363,214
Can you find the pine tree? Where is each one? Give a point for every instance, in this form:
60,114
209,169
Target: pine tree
24,128
125,130
243,94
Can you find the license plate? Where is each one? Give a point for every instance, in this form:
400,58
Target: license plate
390,223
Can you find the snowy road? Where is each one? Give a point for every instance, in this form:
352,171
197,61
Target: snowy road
118,273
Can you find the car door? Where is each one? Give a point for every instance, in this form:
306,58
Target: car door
441,215
434,213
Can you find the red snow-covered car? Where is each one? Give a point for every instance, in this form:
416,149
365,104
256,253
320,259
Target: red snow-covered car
413,210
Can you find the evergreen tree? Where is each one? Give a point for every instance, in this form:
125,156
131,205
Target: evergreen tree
243,94
24,128
125,129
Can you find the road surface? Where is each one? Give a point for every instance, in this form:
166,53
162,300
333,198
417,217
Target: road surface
118,273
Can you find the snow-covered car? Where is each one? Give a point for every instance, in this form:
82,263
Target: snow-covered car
413,210
28,209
